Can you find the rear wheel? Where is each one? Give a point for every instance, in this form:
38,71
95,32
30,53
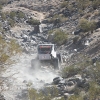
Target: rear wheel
56,63
59,57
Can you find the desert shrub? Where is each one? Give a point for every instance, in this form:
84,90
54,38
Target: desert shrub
86,16
75,97
94,91
33,21
20,14
1,28
95,4
33,95
3,15
76,39
96,13
7,49
2,2
51,31
92,25
86,25
60,37
53,20
71,8
0,6
94,73
11,22
14,47
82,4
12,14
46,94
71,71
57,19
64,4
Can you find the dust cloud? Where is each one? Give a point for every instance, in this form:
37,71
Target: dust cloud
22,74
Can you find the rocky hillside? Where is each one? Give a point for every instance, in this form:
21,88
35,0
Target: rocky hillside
73,25
77,19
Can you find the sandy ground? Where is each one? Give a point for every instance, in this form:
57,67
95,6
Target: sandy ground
20,74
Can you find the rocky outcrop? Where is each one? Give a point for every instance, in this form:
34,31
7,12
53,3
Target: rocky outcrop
69,85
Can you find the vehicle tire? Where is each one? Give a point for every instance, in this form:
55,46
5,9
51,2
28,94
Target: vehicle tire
56,63
35,64
59,57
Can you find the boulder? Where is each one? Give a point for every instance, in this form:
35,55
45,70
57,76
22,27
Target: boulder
57,80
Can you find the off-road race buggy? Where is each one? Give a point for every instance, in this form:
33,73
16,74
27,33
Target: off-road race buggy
46,53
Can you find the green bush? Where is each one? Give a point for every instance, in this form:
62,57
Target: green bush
20,15
86,25
32,21
60,37
12,14
70,71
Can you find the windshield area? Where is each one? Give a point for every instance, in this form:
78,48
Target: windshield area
44,49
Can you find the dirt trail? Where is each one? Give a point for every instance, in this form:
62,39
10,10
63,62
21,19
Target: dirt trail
13,7
21,74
